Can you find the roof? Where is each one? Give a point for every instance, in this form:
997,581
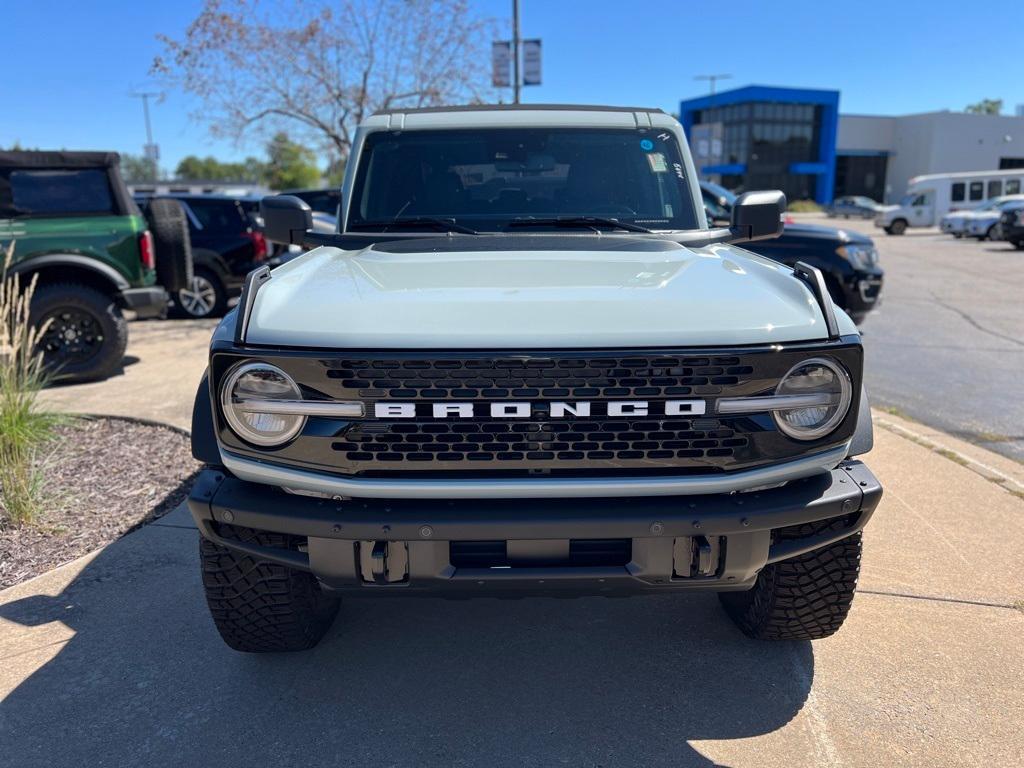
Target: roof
516,108
57,159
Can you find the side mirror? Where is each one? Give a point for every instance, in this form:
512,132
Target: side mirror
286,219
758,215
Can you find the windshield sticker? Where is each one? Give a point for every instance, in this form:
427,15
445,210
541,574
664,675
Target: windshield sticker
646,145
679,169
657,161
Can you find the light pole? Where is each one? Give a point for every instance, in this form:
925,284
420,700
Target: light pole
515,52
712,79
151,152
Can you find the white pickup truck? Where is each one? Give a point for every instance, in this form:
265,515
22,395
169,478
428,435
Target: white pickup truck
524,364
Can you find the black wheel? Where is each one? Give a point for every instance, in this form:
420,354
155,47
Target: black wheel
86,335
898,227
803,598
203,297
1019,244
171,243
259,606
995,232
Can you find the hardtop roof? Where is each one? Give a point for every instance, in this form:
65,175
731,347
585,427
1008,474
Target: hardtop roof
23,158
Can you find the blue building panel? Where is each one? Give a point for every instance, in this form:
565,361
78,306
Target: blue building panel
824,168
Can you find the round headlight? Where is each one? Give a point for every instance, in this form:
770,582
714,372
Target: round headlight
247,399
822,394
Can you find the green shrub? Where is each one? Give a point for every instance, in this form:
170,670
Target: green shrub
804,206
24,427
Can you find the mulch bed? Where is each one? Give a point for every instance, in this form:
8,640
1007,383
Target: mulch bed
103,477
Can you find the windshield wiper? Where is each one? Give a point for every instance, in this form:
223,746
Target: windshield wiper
437,222
577,221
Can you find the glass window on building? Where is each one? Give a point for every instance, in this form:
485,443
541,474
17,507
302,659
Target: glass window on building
995,188
958,192
977,190
1013,186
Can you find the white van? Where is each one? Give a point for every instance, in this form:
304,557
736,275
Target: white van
931,197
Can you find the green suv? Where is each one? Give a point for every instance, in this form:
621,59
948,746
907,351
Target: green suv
75,227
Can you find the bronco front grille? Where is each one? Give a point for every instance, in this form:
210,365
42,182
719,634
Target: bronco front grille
654,440
538,377
482,445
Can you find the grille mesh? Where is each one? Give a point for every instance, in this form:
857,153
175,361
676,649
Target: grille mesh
571,377
658,440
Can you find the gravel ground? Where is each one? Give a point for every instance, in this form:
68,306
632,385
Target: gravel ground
104,477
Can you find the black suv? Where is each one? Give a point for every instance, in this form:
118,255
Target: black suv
321,200
1012,224
848,259
227,244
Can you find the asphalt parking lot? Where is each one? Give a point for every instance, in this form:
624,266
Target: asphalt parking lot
947,346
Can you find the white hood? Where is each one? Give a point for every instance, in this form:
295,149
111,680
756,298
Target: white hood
610,292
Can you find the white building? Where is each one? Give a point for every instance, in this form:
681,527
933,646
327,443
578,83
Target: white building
877,155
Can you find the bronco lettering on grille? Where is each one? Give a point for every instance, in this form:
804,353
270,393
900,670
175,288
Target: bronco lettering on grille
525,410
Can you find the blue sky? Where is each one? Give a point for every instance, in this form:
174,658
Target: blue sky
68,67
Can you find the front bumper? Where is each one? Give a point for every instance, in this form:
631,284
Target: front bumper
417,546
145,302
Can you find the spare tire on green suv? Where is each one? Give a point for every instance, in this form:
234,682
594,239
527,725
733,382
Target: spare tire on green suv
77,231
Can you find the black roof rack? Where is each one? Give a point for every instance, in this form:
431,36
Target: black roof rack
516,107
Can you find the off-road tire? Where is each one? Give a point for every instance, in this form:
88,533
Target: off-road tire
898,227
1018,244
50,300
259,606
804,598
171,243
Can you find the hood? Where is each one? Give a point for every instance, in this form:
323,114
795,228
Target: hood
518,292
826,233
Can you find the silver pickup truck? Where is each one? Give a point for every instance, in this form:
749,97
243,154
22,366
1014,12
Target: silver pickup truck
525,364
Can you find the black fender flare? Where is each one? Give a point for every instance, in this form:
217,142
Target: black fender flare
110,275
204,432
864,436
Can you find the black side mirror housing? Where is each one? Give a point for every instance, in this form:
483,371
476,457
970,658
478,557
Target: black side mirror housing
757,216
286,219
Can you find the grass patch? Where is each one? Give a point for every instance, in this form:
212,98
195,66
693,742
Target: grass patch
892,410
804,206
953,456
1019,605
992,437
24,427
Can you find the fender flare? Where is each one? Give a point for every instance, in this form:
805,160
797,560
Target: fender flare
864,436
204,433
105,271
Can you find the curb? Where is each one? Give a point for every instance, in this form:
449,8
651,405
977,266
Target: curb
987,471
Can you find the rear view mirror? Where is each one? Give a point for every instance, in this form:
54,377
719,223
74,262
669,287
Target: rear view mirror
286,219
757,215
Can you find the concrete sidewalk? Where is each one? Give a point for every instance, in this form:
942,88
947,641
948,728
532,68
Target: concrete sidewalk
164,364
112,660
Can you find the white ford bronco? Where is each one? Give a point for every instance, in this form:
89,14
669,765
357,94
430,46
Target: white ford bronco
524,364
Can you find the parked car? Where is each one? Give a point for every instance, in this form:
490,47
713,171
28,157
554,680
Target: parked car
931,197
77,230
1012,221
985,223
227,244
849,260
527,366
320,200
854,206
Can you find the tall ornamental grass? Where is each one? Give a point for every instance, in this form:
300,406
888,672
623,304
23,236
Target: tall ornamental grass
24,426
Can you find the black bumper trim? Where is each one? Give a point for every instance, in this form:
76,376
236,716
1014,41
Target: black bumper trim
146,302
332,527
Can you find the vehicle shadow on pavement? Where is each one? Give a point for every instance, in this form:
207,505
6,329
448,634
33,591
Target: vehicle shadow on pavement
145,680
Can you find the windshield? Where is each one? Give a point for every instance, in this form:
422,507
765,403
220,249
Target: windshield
494,179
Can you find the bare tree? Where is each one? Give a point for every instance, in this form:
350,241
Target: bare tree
255,64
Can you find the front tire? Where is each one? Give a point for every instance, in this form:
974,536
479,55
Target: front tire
804,598
86,336
259,606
